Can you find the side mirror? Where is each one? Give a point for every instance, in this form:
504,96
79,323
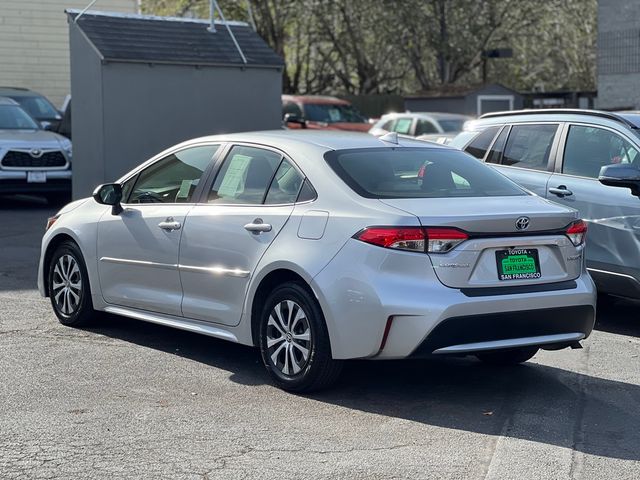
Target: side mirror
109,194
295,119
621,175
46,125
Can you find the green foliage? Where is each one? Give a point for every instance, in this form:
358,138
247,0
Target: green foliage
401,46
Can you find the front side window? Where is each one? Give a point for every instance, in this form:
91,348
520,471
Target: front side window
174,178
418,173
478,147
403,125
425,127
590,148
245,176
529,146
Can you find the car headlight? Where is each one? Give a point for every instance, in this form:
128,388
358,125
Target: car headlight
68,149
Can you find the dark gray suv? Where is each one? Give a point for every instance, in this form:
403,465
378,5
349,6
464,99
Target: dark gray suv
578,158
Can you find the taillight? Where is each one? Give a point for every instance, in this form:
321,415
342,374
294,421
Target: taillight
413,239
577,232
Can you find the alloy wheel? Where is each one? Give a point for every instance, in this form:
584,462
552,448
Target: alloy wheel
288,337
66,285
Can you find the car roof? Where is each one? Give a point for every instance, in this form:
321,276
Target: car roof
628,119
431,115
17,92
8,101
315,99
325,139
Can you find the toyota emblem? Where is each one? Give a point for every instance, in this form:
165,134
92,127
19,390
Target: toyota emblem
522,223
36,152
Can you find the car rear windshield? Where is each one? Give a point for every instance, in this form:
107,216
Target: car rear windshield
418,173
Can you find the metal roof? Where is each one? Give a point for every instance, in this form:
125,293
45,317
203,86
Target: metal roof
167,40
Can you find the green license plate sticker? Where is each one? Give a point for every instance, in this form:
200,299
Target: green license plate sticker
518,264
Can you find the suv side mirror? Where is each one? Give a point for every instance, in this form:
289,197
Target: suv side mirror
621,175
109,194
295,119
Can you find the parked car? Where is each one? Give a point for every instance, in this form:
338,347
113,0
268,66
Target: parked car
32,160
578,158
425,125
328,246
322,113
36,105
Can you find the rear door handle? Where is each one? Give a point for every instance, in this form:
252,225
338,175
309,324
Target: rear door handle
257,227
170,225
561,191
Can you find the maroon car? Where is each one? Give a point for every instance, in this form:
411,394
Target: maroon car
320,112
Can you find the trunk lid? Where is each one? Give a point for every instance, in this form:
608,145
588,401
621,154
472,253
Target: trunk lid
495,239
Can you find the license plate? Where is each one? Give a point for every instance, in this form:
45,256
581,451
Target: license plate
518,264
36,177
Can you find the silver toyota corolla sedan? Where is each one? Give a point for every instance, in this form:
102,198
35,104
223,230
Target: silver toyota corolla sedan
322,246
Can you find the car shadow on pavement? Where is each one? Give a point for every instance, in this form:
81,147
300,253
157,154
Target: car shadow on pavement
533,402
619,316
22,202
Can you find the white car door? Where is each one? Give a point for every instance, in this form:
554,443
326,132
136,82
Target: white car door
249,202
138,249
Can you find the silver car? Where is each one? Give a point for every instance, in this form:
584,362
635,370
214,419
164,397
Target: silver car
318,247
32,160
578,158
431,126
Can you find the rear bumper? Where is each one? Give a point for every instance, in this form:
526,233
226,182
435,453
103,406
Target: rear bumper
15,181
544,326
366,291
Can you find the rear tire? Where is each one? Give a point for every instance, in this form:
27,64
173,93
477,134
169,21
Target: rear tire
508,357
68,286
294,342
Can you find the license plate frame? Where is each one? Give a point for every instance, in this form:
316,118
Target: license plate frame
36,177
518,264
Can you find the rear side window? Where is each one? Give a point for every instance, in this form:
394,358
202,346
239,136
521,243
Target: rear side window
418,173
478,147
285,185
529,146
495,154
245,176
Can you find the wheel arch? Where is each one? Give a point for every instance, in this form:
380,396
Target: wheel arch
54,243
265,286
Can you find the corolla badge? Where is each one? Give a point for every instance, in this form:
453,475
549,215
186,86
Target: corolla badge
522,223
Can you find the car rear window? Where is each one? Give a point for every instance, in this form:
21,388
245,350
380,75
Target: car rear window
418,173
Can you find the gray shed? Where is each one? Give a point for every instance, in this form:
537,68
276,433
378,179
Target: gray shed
467,100
140,84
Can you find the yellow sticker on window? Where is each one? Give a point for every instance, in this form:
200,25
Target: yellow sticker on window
233,181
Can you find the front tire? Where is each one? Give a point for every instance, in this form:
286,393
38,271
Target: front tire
68,285
294,342
508,357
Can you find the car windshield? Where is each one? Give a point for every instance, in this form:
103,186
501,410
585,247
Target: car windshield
12,117
418,173
328,113
37,107
452,124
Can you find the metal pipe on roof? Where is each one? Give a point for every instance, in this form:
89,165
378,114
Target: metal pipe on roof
84,10
212,28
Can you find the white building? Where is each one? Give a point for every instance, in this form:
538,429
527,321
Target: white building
34,43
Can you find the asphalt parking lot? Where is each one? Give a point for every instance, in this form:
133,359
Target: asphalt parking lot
125,399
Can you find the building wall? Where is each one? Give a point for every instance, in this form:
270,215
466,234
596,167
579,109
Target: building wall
34,43
618,54
146,109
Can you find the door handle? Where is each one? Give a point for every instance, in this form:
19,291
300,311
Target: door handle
257,227
170,225
560,191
